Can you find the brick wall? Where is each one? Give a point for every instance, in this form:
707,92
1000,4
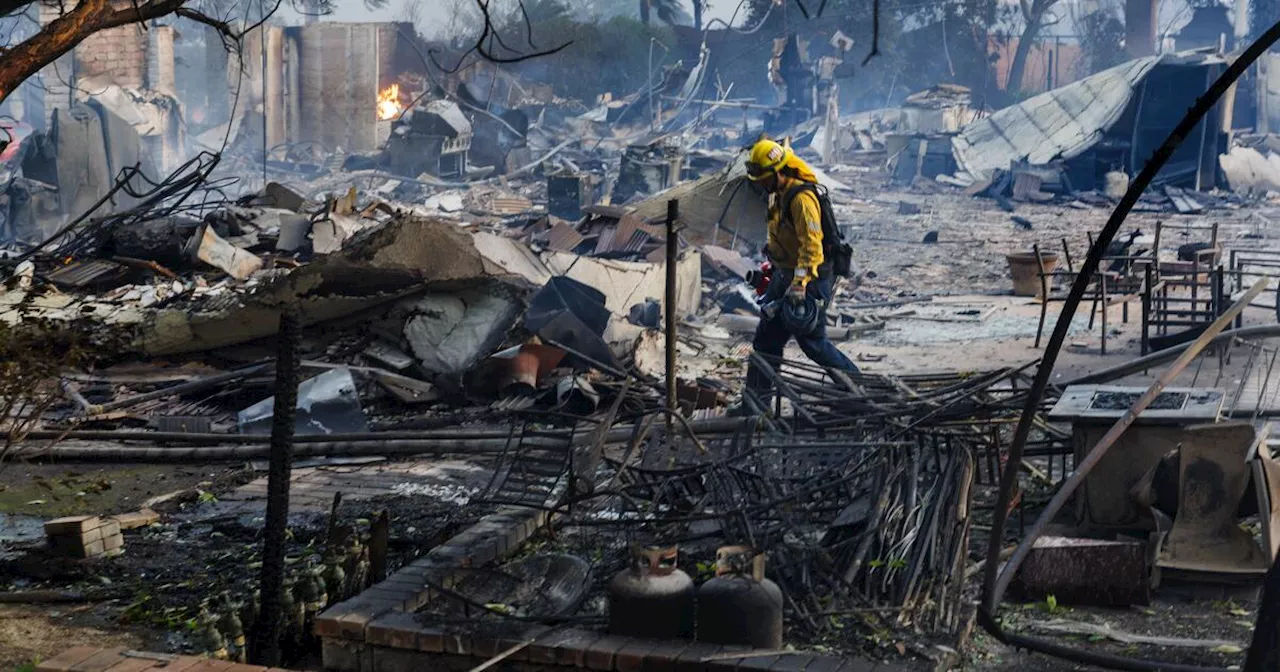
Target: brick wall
160,64
120,53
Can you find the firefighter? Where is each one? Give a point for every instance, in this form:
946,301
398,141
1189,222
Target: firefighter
794,304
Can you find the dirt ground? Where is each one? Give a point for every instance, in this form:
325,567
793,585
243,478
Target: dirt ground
29,634
53,490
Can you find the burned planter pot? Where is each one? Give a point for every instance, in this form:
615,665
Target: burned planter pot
653,597
740,606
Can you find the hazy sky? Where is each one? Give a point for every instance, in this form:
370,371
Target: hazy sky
1173,12
437,10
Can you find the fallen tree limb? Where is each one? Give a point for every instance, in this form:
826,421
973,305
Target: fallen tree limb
1066,627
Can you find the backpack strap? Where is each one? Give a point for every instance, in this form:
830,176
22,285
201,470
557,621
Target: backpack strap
830,234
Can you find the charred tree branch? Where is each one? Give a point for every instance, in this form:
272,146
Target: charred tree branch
64,33
489,34
875,32
223,28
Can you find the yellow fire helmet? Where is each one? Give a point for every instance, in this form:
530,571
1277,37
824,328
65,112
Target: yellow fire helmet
767,156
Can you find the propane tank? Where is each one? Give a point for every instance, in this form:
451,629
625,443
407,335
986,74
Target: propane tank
214,643
652,598
740,606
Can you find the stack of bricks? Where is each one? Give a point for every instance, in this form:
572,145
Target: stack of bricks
85,537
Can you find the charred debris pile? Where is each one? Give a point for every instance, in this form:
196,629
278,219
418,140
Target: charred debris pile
487,282
481,328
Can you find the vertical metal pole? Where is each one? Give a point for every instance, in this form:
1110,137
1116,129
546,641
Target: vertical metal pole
266,635
649,83
673,250
1147,291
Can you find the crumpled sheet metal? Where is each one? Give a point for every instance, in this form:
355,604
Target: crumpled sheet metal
1061,123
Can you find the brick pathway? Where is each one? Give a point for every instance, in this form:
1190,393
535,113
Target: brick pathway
91,659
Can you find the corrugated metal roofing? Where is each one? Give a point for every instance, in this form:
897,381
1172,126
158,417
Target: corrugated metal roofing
636,243
563,237
605,242
79,274
511,205
1061,123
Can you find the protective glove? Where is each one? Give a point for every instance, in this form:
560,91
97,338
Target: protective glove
796,293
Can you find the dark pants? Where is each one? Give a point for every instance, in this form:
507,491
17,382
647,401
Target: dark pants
772,334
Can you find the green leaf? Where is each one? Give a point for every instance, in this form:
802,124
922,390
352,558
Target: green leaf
1226,648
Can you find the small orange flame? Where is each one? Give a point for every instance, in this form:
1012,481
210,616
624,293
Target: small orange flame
389,106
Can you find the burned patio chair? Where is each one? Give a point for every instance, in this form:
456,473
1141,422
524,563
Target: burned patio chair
1118,283
1185,294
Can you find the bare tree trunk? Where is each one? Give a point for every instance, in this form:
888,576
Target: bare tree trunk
697,14
1033,14
644,12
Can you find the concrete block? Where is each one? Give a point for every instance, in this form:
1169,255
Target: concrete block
340,655
398,660
690,660
458,643
71,525
600,654
630,658
395,630
1086,571
113,543
136,519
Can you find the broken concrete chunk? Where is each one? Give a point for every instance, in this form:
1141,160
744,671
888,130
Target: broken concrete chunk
238,263
449,201
136,519
449,333
328,236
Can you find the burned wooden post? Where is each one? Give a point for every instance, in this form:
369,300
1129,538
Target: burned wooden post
673,250
379,533
266,634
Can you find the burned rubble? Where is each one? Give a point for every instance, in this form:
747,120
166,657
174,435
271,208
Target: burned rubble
392,365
